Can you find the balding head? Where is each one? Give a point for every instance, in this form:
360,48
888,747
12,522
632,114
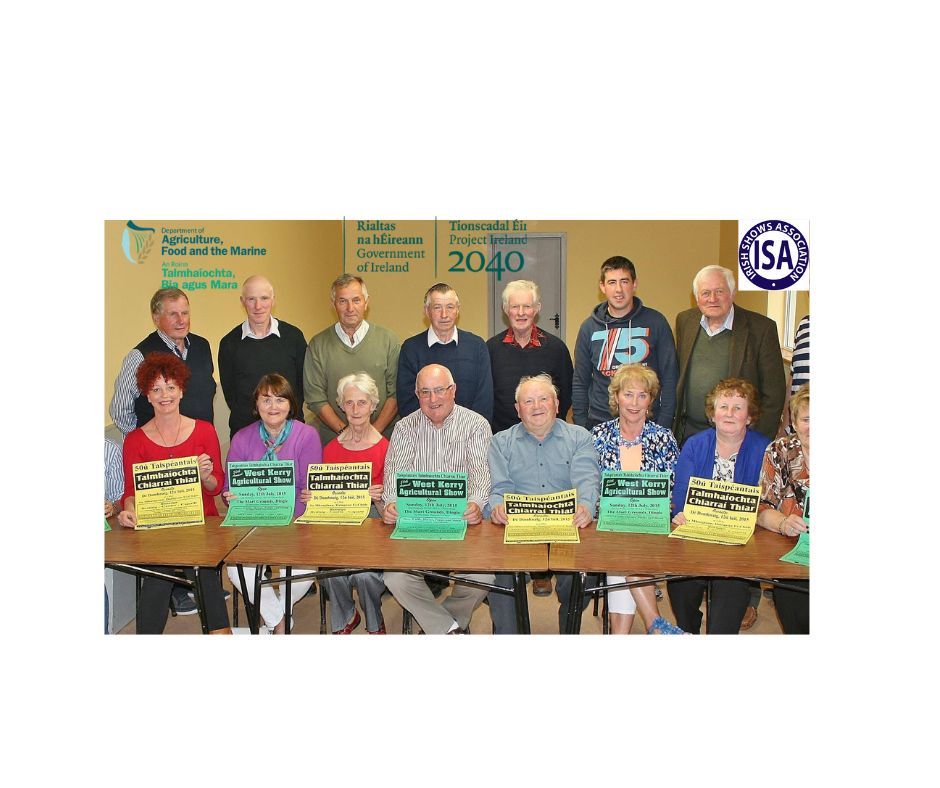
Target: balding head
258,299
436,391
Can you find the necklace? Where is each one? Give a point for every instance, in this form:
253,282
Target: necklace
179,427
629,442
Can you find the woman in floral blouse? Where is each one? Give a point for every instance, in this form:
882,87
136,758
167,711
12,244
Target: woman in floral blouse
632,443
784,485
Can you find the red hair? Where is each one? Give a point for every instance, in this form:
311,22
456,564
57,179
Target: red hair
162,365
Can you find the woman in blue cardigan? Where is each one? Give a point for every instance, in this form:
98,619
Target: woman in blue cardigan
728,451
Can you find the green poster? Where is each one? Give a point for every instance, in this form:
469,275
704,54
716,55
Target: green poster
264,493
431,506
800,552
806,508
635,502
106,526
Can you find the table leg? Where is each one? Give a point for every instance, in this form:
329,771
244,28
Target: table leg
523,627
197,593
287,615
708,603
573,623
249,608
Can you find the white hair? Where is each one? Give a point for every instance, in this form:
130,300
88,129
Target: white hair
714,269
543,377
520,286
361,381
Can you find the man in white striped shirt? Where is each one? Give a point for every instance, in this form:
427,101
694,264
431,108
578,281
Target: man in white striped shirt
440,436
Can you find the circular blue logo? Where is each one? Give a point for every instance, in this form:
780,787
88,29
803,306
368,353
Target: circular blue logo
773,254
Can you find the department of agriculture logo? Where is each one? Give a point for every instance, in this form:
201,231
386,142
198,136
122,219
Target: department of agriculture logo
773,255
137,242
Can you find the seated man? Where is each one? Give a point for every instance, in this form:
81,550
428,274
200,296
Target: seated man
442,437
540,455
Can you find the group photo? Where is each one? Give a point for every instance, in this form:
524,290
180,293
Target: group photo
451,427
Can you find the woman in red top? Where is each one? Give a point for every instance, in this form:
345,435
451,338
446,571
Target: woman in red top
358,396
169,434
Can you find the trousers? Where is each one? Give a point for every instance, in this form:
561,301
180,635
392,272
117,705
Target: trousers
273,609
728,601
155,600
793,608
370,586
414,595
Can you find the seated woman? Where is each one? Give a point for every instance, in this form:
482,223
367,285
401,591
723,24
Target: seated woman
276,436
169,434
358,396
631,443
784,482
728,452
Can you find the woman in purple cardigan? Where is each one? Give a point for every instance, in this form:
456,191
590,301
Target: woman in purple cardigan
276,436
728,451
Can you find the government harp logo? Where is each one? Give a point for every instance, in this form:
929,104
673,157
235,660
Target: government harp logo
137,242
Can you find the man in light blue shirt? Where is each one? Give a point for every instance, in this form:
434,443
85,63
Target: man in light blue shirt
542,454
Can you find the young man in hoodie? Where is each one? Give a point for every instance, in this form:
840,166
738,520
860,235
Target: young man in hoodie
621,330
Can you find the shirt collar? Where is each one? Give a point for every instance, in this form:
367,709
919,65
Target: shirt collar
358,336
534,341
247,333
432,337
726,326
172,345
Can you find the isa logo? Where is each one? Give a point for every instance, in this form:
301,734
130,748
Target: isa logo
773,255
137,242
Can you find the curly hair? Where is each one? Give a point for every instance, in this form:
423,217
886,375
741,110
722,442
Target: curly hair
162,365
730,387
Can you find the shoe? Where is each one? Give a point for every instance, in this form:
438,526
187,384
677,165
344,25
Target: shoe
750,618
348,629
183,605
542,586
662,627
226,595
379,631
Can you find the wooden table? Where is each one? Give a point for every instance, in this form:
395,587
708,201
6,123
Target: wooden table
662,557
350,549
195,546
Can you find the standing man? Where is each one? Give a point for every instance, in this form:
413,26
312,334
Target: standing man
542,454
720,340
621,331
439,436
262,345
523,350
463,353
350,345
169,310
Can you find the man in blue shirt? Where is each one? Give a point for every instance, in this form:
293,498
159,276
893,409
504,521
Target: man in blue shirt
542,454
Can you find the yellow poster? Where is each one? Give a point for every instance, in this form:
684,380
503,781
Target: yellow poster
340,494
168,493
541,518
721,512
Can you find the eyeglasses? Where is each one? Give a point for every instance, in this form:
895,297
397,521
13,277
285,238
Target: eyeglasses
437,392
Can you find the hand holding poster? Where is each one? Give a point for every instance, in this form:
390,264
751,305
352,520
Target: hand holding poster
800,552
722,512
340,494
168,493
634,502
431,506
541,518
263,493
